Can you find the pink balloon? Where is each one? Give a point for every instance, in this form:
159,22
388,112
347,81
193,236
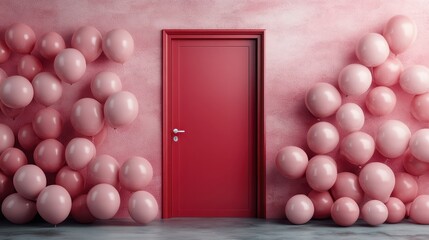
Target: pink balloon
400,32
414,166
105,84
20,38
358,148
103,201
3,75
419,106
347,185
392,138
396,209
322,202
121,109
4,52
47,88
374,212
135,173
88,41
17,209
142,207
50,44
380,101
415,79
27,138
408,209
299,209
406,187
419,145
7,138
322,100
321,173
71,180
322,137
79,152
87,116
29,66
16,92
70,65
372,50
49,155
354,79
105,169
11,160
377,181
54,204
47,123
419,209
118,45
292,162
350,117
345,211
29,180
387,74
80,212
6,186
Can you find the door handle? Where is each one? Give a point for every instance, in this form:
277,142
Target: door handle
176,131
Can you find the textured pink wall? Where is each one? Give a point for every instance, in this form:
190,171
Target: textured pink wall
306,42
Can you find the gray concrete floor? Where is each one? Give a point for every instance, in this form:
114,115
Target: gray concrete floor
211,228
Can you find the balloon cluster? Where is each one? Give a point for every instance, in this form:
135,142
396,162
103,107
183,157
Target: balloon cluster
372,190
86,185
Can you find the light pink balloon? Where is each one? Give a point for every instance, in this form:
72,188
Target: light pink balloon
419,209
322,100
54,204
419,145
11,160
354,79
322,202
358,148
16,92
18,210
322,137
80,212
142,207
135,173
345,211
71,180
103,201
347,185
105,84
29,66
4,51
87,116
414,166
47,123
392,138
49,155
121,109
47,88
387,74
7,137
374,212
70,65
372,50
292,162
377,181
29,180
406,187
104,169
27,138
50,44
118,45
350,117
299,209
415,79
419,106
321,173
20,38
396,209
79,152
88,41
380,101
6,186
400,32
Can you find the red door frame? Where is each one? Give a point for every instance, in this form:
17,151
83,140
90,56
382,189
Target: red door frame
167,37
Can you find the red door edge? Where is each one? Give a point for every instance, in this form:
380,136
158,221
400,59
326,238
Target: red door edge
167,36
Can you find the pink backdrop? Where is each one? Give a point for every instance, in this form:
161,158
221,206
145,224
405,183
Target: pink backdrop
306,42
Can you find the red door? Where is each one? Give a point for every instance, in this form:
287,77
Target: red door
212,127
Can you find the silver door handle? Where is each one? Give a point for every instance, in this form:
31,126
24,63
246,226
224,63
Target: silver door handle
176,131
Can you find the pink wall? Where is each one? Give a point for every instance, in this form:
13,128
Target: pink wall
306,42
